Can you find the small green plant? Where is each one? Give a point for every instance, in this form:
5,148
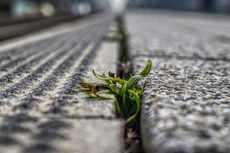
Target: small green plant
126,93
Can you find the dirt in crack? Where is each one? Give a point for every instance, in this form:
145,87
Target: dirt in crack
132,133
133,143
124,66
124,89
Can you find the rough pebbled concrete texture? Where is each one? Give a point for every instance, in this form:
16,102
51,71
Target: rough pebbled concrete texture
186,104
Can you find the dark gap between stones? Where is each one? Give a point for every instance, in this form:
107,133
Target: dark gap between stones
132,133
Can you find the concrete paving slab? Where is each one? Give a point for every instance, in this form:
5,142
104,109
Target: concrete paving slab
178,34
46,80
186,106
41,108
27,134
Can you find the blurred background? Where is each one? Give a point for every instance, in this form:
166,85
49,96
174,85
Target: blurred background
16,16
20,17
215,6
47,8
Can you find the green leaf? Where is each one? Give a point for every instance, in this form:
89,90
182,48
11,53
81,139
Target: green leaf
106,78
117,106
122,93
91,95
126,93
99,76
138,103
114,89
147,69
132,82
106,94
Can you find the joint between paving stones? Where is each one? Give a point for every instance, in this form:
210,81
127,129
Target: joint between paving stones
124,69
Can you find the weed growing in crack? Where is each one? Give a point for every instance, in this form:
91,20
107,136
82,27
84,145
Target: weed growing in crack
126,93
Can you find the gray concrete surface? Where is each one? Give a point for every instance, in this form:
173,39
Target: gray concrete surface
179,34
41,108
23,133
186,105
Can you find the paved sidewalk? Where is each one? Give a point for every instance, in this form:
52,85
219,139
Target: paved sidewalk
186,106
40,110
